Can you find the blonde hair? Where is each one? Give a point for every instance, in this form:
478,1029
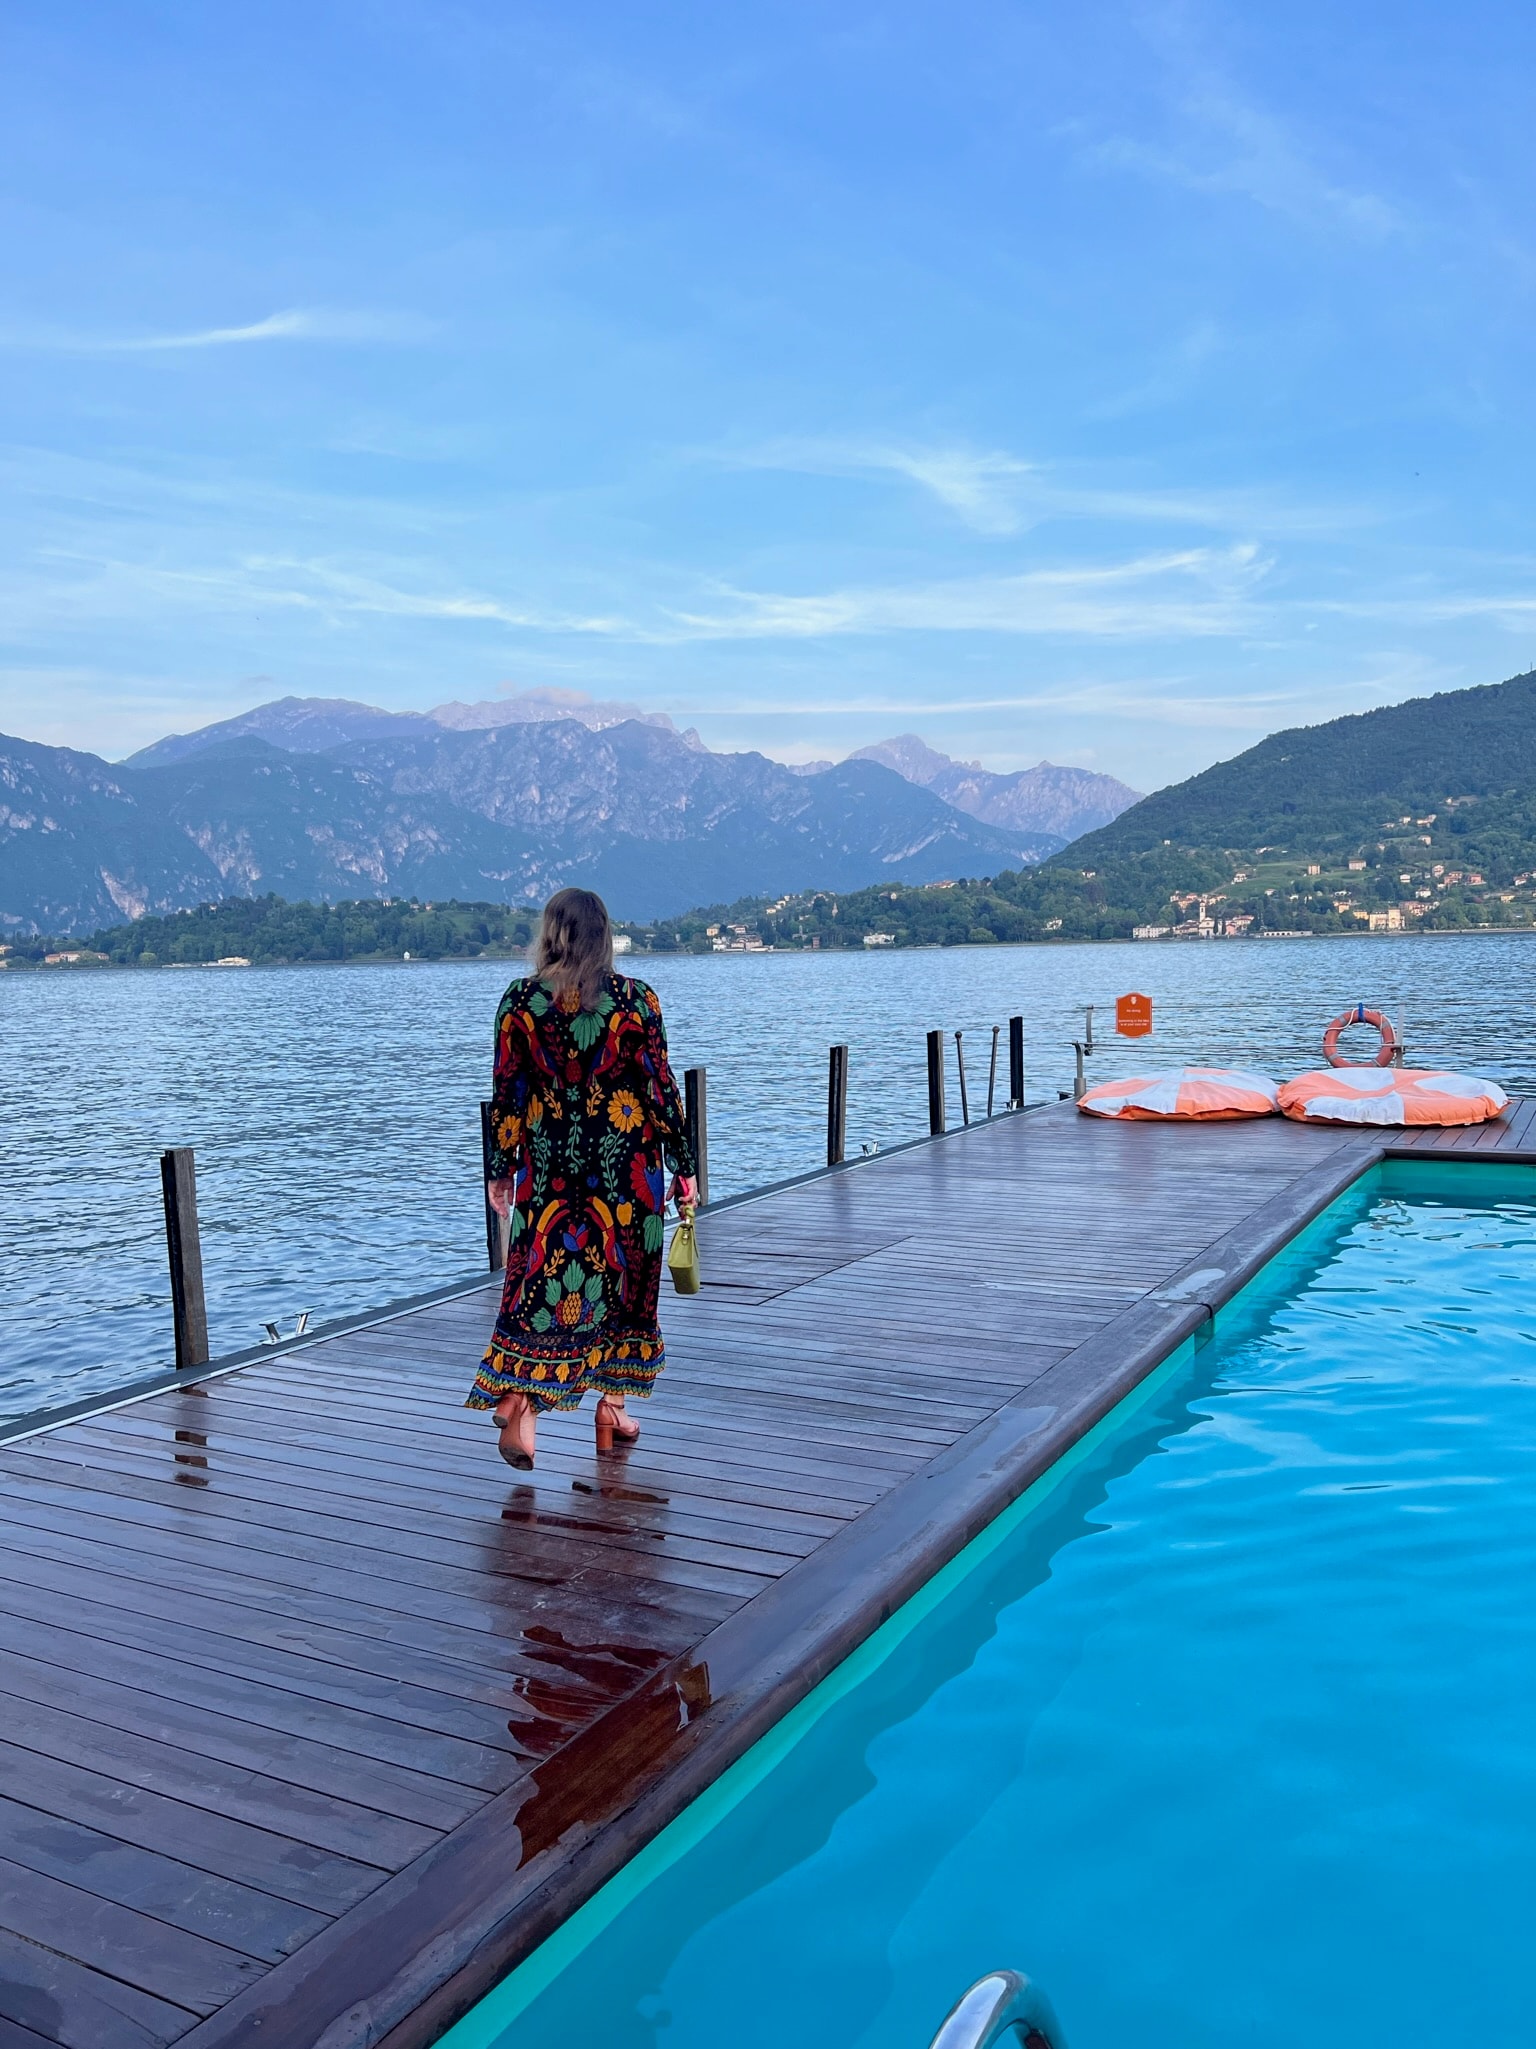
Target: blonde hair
574,949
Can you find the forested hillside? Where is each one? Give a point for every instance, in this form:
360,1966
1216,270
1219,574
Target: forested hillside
1328,788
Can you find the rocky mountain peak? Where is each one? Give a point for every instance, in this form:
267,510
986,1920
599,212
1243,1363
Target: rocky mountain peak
912,758
1045,798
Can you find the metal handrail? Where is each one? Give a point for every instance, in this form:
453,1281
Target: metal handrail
1003,2007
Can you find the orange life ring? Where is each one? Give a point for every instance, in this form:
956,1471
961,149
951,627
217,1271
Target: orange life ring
1360,1015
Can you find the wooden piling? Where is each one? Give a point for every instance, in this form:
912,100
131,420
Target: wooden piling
696,1102
935,1083
189,1307
1016,1063
837,1104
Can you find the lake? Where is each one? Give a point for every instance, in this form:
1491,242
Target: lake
334,1110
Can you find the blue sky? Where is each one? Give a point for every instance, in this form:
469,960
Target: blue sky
1109,383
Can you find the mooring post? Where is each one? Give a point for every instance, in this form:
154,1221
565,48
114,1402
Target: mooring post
696,1102
189,1308
965,1102
497,1227
1016,1063
837,1104
935,1083
992,1070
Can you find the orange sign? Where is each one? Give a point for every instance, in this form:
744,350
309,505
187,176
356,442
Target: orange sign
1133,1016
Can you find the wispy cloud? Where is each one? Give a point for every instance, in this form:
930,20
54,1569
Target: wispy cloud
258,582
1158,701
1195,591
1224,141
996,492
297,324
1265,171
1190,593
983,486
1513,610
1172,378
982,489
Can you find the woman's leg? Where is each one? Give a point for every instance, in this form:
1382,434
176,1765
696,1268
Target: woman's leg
517,1421
614,1424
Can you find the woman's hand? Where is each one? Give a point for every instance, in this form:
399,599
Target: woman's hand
684,1191
499,1195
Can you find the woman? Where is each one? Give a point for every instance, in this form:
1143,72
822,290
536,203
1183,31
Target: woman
584,1110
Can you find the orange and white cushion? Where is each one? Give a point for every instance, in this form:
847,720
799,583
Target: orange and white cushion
1391,1095
1184,1092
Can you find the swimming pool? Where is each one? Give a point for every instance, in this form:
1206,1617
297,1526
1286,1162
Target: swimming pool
1222,1734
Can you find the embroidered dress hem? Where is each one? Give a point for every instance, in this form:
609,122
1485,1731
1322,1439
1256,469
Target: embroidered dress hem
627,1366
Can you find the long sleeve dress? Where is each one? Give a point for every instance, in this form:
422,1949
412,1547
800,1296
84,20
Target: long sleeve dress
586,1117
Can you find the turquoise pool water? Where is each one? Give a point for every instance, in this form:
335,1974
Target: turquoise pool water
1224,1734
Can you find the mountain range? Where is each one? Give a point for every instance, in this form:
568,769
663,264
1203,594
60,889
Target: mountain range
314,725
326,799
1070,801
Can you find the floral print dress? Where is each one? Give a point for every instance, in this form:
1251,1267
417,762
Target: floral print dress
586,1116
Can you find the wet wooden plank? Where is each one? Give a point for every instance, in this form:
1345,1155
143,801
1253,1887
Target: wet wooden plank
14,2036
67,2003
486,1636
461,1666
42,1478
264,1666
382,1536
162,1701
136,1949
502,1599
222,1910
444,1495
715,1437
413,1473
124,1813
224,1786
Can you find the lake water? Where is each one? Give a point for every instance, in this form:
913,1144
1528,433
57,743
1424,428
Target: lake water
334,1110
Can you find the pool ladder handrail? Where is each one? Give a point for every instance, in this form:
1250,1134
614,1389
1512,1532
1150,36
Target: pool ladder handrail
1003,2007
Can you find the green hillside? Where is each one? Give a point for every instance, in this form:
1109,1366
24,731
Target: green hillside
1427,807
1330,788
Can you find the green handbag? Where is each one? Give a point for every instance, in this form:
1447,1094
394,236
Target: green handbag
683,1255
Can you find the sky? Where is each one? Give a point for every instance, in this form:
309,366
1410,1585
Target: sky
1107,383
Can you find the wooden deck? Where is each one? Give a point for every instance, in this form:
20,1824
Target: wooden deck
314,1718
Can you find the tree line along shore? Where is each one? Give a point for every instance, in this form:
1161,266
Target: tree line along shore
1173,896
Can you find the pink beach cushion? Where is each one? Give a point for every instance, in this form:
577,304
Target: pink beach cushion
1391,1095
1193,1093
